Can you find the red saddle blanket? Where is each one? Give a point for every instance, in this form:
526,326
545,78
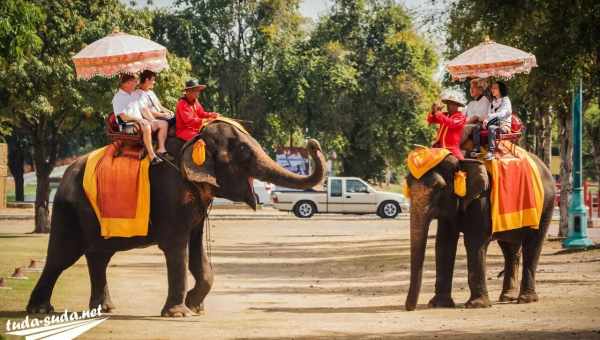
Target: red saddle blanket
517,193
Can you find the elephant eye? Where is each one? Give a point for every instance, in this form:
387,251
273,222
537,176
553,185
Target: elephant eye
244,151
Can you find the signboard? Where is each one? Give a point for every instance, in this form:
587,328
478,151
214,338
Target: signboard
293,159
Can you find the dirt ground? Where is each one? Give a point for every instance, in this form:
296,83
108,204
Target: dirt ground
325,280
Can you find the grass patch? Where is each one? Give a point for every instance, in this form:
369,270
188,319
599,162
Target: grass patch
29,191
16,250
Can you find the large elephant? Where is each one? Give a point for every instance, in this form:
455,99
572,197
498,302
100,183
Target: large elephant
432,197
179,201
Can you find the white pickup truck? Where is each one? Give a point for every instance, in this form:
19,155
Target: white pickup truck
346,195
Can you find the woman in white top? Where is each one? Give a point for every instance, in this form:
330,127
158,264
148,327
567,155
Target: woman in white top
499,116
153,111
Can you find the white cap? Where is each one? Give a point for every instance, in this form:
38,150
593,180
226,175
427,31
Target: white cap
453,96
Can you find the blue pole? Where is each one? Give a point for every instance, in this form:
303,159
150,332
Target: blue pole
577,236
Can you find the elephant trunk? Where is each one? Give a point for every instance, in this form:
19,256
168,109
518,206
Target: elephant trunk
419,227
268,170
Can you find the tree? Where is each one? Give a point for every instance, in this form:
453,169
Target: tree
591,132
45,101
18,39
381,80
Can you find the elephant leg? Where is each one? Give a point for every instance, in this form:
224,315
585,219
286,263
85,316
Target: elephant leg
446,241
512,256
176,268
201,269
63,252
476,244
532,248
100,296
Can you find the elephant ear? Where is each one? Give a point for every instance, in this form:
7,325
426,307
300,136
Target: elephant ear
478,181
197,162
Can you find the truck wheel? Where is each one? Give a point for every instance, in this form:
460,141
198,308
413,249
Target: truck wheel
304,209
388,209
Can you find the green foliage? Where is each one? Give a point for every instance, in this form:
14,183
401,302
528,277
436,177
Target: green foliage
18,27
377,81
170,83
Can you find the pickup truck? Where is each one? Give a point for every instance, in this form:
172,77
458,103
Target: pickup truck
346,195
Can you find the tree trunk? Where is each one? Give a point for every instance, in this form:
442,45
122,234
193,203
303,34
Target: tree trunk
546,137
44,152
565,127
42,202
16,162
542,135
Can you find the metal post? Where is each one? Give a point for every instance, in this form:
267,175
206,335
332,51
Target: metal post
577,235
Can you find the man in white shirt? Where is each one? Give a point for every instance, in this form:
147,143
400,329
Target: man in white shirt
476,111
126,106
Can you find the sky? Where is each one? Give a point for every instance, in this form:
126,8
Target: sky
312,8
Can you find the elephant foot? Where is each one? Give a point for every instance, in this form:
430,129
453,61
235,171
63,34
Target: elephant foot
508,296
194,301
441,301
479,302
527,298
106,306
40,308
177,311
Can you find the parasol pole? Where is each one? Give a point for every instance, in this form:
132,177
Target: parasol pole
577,236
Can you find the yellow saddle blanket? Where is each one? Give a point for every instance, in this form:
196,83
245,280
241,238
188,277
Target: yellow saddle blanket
423,159
118,189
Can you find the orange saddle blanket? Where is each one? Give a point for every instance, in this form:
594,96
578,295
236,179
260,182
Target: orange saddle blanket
118,189
517,193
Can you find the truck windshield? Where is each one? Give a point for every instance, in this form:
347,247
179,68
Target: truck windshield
336,187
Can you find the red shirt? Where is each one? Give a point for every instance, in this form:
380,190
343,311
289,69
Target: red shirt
450,131
189,118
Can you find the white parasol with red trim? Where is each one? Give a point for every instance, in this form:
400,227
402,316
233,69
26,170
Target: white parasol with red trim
490,59
120,53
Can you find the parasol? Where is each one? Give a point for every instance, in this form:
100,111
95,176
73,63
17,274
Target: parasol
120,53
490,59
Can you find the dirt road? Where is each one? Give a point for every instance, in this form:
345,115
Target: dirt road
336,280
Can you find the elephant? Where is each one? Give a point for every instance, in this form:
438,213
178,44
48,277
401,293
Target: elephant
433,197
180,194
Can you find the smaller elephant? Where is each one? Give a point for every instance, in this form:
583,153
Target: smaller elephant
433,197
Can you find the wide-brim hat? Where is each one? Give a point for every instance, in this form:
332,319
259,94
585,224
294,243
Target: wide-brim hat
451,96
192,84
